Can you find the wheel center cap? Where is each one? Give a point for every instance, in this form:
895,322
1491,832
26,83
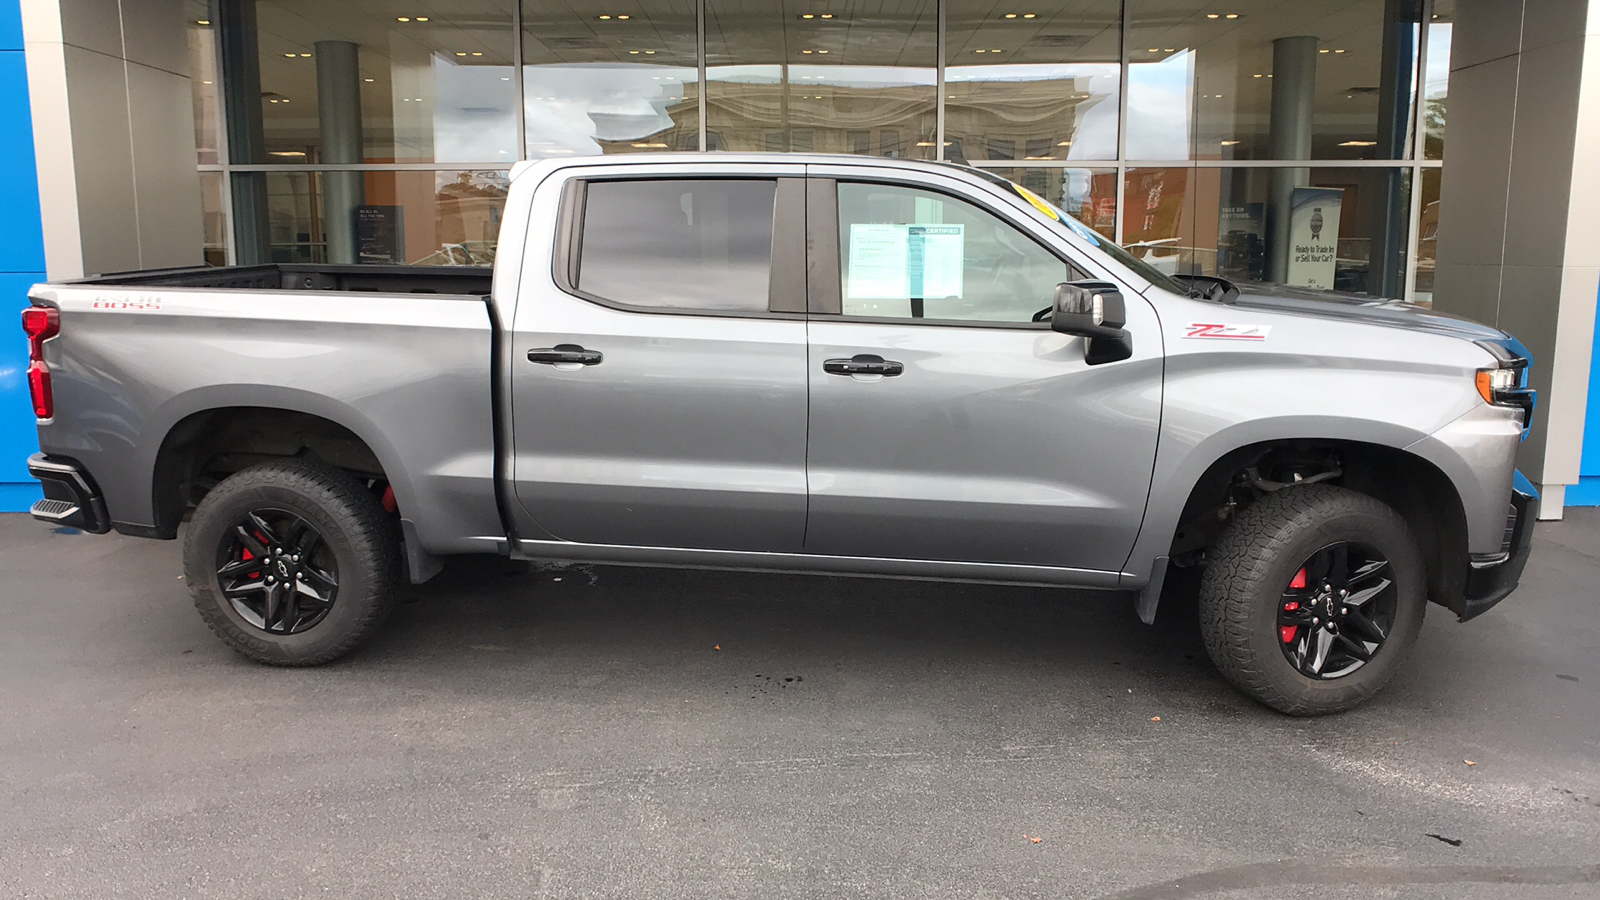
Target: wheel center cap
283,568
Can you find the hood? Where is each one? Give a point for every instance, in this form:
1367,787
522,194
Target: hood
1373,311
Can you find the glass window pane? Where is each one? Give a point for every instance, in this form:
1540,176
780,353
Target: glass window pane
1203,82
417,218
1344,228
608,79
1436,81
907,253
679,244
1088,195
203,81
1032,85
852,77
217,231
430,84
1427,237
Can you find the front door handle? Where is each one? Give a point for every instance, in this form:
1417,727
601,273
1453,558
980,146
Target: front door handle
571,354
863,364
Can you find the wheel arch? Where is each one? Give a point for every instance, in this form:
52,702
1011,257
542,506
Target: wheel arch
1417,488
272,422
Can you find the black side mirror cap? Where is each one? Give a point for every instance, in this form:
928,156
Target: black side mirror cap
1094,310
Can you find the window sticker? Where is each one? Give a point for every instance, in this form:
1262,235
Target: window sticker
896,262
1038,202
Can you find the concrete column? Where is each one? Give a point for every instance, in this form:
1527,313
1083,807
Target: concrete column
339,122
1294,87
1387,254
1519,224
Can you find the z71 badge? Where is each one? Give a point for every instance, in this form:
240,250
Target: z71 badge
1226,332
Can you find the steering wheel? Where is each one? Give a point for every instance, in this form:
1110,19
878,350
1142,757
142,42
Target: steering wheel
1043,314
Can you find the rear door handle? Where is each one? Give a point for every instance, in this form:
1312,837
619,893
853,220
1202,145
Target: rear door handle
863,364
565,353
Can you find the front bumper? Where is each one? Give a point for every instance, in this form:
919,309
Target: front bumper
1492,580
71,498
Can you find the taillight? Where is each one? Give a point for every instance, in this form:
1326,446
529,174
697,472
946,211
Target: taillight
41,323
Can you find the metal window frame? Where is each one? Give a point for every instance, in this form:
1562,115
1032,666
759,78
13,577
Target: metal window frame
1413,161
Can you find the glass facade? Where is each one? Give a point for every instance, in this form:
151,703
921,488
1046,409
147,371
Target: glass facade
1210,140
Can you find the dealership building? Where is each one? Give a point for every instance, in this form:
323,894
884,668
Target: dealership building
1432,148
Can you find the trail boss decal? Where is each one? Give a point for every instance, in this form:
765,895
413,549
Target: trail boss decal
1226,332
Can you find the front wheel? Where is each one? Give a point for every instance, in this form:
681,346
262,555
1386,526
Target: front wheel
1312,598
292,562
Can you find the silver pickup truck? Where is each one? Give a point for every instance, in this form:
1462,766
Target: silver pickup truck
792,363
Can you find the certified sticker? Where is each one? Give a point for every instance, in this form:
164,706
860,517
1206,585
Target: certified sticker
1222,332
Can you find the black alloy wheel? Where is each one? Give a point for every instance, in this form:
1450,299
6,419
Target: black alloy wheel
1337,611
276,570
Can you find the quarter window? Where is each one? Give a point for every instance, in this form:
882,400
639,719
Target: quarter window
907,253
678,244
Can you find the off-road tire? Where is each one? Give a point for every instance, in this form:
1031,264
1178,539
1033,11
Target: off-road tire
1255,559
363,538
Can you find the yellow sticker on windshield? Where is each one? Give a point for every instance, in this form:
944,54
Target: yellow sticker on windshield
1037,201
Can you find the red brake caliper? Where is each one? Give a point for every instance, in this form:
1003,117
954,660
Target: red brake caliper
1288,632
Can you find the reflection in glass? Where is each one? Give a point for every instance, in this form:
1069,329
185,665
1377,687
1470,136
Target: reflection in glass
214,219
850,78
1293,81
1427,250
1436,81
425,87
1032,85
603,80
203,83
1220,221
1088,195
417,218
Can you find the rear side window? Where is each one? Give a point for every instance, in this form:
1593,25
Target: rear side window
678,244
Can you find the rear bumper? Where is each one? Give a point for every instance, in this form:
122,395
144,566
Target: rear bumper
71,498
1491,580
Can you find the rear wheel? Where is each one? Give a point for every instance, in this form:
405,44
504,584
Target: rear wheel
292,562
1312,598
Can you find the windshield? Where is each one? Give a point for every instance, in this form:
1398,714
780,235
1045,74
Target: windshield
1096,239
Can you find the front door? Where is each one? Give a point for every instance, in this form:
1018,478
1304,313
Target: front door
945,423
658,385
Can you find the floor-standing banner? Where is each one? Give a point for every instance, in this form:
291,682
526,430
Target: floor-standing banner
1314,236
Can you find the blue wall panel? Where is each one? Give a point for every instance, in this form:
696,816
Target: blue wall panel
21,263
1587,491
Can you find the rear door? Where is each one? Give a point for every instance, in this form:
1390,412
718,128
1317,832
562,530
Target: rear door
945,423
658,383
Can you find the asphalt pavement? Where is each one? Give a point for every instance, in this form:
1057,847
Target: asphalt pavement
610,732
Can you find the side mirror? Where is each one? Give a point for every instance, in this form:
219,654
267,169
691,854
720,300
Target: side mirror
1094,310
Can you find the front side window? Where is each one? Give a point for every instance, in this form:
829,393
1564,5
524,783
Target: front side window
678,244
908,253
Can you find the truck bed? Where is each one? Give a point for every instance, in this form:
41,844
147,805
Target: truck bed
461,280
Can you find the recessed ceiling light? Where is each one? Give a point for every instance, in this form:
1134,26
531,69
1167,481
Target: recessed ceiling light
286,152
975,51
822,51
422,18
205,82
649,53
461,53
1213,15
402,18
305,56
994,51
1029,15
477,53
634,52
1229,143
1256,75
288,56
808,15
369,80
1359,144
1324,50
1339,51
1011,15
826,15
505,77
208,21
603,18
1171,50
624,16
1064,144
1231,16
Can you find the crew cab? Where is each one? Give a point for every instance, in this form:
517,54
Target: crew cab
792,363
